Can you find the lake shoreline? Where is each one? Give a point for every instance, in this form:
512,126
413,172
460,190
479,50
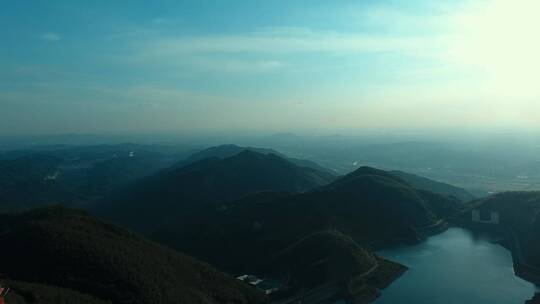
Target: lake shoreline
450,256
510,242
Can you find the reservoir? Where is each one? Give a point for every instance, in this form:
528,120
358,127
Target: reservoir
455,267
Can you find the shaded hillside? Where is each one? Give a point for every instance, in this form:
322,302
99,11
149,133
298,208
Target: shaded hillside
330,257
104,177
97,170
70,175
371,206
385,192
31,181
177,192
534,300
58,249
534,240
225,151
322,257
29,293
427,184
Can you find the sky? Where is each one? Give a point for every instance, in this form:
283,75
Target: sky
208,65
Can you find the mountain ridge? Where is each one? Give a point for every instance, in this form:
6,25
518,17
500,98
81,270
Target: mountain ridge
208,181
372,209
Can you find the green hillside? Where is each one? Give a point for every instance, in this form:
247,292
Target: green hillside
371,206
175,193
58,249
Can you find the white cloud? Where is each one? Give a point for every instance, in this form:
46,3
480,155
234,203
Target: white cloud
51,37
281,40
269,49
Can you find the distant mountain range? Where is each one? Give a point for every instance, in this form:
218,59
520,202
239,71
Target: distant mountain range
225,151
78,175
31,181
57,255
71,176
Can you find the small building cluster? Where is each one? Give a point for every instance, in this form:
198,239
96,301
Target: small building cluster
266,286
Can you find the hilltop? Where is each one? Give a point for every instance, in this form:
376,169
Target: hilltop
224,151
174,193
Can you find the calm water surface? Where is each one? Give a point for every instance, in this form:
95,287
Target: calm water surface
455,267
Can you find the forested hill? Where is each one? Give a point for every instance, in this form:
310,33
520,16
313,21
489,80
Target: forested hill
31,181
369,205
174,193
71,176
225,151
69,255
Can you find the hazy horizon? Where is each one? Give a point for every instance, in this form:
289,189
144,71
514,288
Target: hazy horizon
204,66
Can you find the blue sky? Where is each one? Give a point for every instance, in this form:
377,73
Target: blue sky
115,66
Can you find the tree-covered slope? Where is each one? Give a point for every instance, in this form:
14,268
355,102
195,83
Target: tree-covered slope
71,176
31,181
175,193
371,206
30,293
330,257
61,248
322,257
